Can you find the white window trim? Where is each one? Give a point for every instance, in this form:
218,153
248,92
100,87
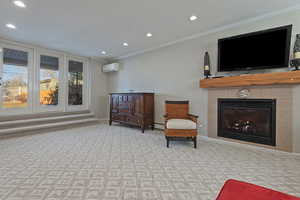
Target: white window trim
85,100
30,67
33,99
61,92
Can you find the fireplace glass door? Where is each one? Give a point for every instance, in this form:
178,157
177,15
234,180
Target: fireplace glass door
250,120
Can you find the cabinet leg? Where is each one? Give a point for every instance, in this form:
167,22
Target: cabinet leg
195,142
168,141
152,127
143,128
110,122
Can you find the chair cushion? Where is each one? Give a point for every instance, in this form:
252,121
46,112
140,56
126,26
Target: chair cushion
181,124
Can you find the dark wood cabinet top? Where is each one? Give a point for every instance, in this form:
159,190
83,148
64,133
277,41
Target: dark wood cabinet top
131,93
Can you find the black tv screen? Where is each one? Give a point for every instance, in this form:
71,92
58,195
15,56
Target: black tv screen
257,50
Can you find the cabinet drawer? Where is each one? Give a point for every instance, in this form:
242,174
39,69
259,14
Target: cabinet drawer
118,117
133,120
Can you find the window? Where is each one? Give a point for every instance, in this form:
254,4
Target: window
15,78
75,75
36,80
49,80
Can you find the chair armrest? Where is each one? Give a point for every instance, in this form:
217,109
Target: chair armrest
193,117
166,120
167,117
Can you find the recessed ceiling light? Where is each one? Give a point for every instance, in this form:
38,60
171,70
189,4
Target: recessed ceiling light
193,18
149,35
11,26
103,52
20,4
125,44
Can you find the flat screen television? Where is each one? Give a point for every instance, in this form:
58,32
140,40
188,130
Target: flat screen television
258,50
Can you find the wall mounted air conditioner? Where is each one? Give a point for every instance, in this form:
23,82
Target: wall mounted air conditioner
113,67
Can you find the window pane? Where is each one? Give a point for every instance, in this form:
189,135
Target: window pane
15,78
75,82
49,80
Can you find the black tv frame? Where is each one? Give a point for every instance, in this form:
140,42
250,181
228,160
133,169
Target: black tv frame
287,50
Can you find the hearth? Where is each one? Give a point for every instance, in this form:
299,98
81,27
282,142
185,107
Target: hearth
252,120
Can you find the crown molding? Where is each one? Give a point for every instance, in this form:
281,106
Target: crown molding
40,47
211,31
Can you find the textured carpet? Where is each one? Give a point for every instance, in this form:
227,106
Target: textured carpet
102,162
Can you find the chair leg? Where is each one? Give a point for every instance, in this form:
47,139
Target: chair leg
195,142
168,141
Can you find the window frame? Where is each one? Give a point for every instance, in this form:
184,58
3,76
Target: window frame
46,108
34,53
30,68
85,93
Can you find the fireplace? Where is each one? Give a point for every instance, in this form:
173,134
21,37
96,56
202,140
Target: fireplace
251,120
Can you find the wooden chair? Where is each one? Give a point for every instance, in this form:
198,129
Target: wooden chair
179,124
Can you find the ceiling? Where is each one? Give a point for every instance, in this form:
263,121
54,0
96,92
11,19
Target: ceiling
87,27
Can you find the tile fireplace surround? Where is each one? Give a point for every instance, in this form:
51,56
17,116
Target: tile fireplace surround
284,111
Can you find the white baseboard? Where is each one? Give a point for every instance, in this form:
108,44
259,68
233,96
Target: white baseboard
159,126
248,146
156,126
103,119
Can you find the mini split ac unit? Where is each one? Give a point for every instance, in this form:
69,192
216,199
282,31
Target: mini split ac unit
113,67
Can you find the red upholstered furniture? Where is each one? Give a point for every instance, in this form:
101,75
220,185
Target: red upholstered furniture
237,190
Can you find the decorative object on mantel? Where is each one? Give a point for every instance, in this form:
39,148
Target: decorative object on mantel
296,61
206,65
297,47
243,93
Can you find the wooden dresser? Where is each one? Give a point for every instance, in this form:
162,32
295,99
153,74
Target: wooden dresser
135,109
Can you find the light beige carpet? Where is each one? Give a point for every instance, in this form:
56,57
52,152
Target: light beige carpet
102,162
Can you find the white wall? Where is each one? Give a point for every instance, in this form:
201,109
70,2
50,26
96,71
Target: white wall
296,118
99,95
174,72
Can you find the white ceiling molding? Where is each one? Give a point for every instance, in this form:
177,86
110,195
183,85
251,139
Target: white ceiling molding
39,47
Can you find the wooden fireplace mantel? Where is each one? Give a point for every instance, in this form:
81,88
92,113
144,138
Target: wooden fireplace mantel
275,78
